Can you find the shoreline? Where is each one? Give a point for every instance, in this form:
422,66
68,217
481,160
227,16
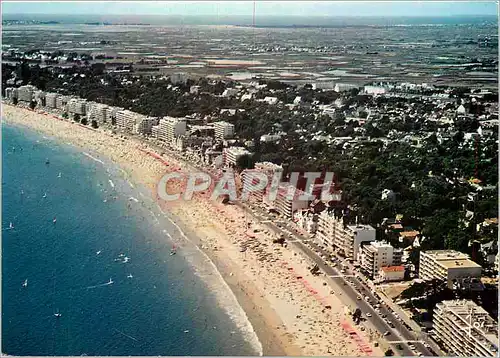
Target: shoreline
286,318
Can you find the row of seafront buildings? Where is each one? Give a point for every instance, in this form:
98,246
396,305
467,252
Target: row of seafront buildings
170,131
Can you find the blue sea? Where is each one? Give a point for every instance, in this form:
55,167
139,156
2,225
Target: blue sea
104,265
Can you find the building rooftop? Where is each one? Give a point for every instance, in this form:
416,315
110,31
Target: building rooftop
409,234
451,264
451,259
360,227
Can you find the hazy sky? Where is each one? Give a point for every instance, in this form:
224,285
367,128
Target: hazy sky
282,8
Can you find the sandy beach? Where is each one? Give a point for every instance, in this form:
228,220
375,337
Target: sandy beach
292,311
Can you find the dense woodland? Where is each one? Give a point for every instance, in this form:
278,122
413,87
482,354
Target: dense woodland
429,182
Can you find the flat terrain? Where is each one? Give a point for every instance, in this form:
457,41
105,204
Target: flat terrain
458,54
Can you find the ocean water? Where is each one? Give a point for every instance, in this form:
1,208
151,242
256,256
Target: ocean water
172,304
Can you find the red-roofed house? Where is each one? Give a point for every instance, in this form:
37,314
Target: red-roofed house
391,273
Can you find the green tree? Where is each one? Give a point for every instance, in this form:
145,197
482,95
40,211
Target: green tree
76,117
245,162
14,101
32,105
84,121
65,115
94,124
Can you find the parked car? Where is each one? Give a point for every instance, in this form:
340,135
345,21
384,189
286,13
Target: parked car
386,333
368,314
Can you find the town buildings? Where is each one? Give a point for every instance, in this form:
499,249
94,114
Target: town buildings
26,93
447,265
465,329
223,130
97,111
287,200
171,127
50,99
127,119
377,254
350,239
77,106
346,239
330,225
232,154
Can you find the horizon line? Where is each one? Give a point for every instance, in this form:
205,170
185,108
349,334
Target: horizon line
290,15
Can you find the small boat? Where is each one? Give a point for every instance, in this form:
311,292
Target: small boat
54,220
110,281
126,259
59,175
47,161
57,314
11,225
22,192
44,195
173,251
25,283
130,275
98,252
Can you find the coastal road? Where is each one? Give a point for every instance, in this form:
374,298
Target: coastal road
348,288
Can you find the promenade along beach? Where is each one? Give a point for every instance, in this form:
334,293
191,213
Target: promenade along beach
287,314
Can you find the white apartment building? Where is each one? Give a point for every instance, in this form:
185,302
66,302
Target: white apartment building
97,111
375,255
232,154
465,329
350,239
375,90
306,220
284,204
50,99
111,114
11,93
249,178
77,106
329,227
39,97
323,85
62,102
223,130
170,128
127,119
447,265
144,125
155,131
344,87
26,93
